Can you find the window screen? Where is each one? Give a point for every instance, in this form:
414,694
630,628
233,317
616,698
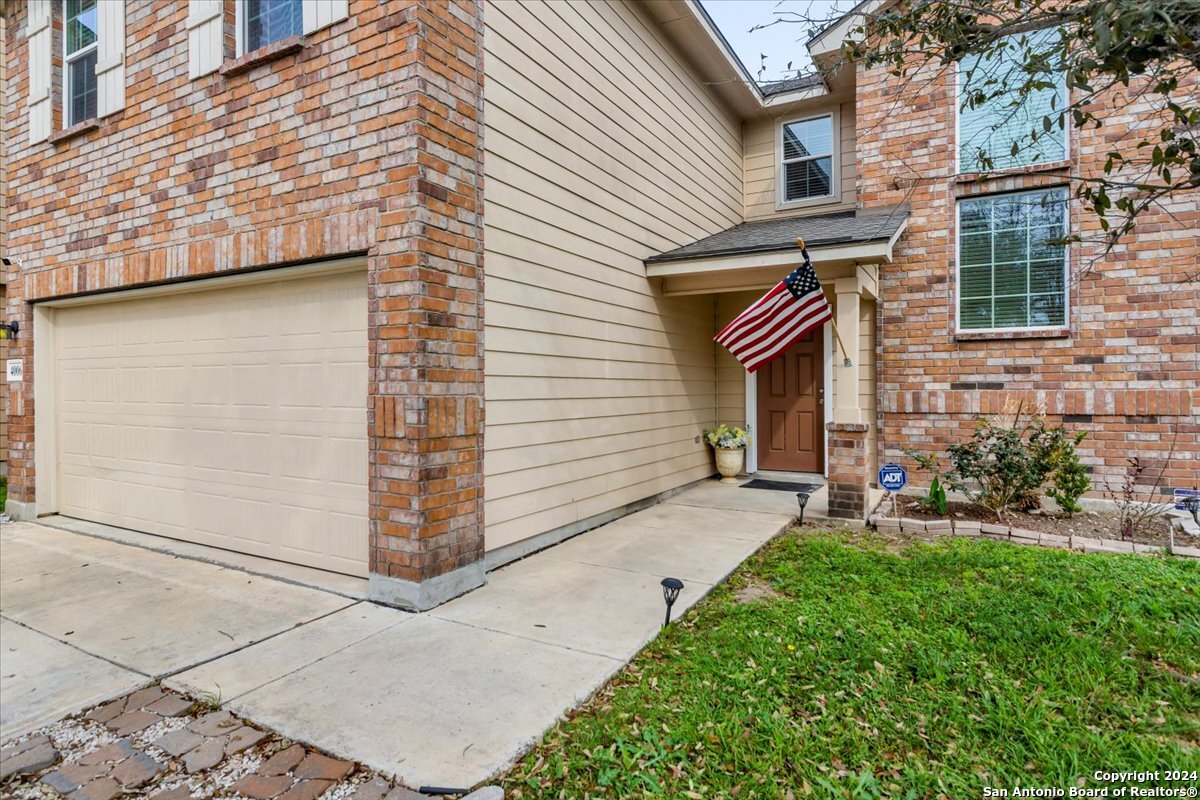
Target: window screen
990,130
79,43
1011,273
269,21
807,159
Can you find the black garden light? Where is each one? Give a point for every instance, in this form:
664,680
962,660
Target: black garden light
671,589
8,330
802,499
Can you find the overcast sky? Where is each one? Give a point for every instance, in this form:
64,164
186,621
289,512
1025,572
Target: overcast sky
779,43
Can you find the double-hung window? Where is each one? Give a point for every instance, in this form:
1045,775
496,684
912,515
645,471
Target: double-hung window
1012,263
267,21
807,159
1000,127
80,50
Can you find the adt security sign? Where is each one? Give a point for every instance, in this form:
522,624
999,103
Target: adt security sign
1182,496
892,477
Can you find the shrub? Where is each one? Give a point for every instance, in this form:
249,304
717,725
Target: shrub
1138,508
1004,466
1071,479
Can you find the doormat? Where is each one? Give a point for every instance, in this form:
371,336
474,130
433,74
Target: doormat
781,486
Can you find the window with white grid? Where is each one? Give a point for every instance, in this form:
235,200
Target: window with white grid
1012,261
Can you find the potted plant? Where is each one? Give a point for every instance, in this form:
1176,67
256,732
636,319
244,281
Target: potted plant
729,443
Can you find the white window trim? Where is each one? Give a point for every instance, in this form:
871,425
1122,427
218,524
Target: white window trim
66,73
1066,323
1064,100
239,24
835,186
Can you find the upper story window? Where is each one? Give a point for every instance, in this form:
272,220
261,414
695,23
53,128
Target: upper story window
1011,273
998,128
80,50
268,21
807,159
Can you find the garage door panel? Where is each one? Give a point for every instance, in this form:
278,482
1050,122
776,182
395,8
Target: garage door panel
104,495
104,446
345,467
102,385
169,386
138,443
208,385
232,417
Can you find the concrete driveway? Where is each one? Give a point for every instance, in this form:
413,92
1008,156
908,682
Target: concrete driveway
83,620
448,697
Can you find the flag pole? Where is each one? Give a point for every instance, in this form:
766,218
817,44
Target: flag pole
833,324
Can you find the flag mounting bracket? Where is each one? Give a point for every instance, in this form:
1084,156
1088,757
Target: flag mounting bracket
845,356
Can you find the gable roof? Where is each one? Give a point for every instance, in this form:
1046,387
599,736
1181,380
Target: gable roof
691,28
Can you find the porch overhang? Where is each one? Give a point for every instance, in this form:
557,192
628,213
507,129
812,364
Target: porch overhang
733,261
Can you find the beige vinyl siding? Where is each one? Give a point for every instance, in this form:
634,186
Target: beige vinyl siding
731,375
602,148
762,165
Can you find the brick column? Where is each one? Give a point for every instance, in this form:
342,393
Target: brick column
848,459
426,296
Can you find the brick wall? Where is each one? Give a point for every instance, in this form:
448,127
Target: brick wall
847,445
367,140
3,247
1128,369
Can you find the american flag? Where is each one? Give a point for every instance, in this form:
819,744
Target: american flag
766,329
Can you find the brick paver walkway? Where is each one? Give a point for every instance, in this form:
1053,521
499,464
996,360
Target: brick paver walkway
160,745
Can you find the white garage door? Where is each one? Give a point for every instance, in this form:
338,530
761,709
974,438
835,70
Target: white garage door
232,417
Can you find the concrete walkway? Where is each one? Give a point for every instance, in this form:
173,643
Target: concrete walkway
452,696
448,697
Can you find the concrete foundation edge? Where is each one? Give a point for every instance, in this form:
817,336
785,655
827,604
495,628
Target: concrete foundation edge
424,595
20,510
494,559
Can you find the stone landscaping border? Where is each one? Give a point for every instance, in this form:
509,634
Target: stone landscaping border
973,529
159,744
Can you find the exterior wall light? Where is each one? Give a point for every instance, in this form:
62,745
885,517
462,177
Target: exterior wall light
8,330
671,588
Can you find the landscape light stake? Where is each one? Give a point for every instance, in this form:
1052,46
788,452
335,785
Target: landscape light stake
1192,504
802,499
671,587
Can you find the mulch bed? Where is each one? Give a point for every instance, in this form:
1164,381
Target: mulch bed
1100,525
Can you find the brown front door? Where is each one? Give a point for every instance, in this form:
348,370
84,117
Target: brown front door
791,409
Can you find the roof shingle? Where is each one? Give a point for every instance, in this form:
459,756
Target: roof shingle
773,88
845,227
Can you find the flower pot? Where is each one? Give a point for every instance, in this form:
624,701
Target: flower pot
730,462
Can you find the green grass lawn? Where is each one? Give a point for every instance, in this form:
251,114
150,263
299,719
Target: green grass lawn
877,669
